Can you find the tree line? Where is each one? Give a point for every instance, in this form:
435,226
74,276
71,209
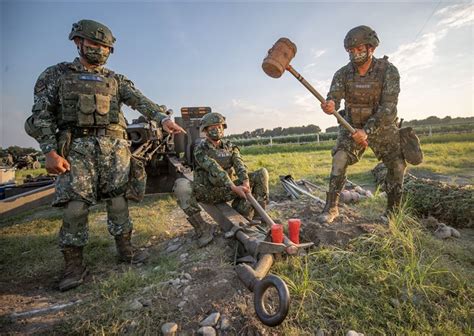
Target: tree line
313,129
277,131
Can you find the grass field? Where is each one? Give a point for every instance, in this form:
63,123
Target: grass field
400,281
453,156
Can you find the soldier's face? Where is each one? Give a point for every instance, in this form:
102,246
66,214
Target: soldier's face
93,52
215,132
92,44
360,54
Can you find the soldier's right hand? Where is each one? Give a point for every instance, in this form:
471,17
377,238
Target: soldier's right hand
56,164
329,107
240,190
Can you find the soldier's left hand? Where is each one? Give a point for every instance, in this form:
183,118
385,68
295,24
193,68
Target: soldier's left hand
246,185
360,137
171,127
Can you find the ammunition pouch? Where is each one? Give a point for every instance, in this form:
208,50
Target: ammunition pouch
410,145
136,180
360,115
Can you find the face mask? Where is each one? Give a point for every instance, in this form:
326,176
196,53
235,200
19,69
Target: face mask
360,58
215,134
95,56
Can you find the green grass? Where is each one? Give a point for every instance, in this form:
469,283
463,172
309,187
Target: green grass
29,253
386,283
313,162
398,281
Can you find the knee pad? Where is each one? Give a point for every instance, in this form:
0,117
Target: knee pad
263,172
75,214
117,210
396,170
340,161
183,190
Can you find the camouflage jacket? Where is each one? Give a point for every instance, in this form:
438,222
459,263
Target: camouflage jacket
218,166
47,100
386,112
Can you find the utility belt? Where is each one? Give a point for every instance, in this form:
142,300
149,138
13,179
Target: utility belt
80,132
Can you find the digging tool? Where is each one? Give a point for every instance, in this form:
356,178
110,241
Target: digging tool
278,60
291,184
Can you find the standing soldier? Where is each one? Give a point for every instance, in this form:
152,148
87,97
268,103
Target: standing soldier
370,88
78,122
220,176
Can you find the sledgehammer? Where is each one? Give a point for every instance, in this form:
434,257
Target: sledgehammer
278,60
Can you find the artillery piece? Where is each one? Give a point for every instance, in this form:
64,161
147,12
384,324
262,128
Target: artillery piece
167,157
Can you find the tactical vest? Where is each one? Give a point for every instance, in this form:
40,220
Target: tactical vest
223,156
88,100
363,93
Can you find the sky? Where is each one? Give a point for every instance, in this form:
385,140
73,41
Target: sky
197,53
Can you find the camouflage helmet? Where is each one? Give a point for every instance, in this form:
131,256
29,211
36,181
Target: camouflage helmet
361,35
212,118
94,31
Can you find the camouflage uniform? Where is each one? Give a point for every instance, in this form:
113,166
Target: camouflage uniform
371,105
216,170
78,113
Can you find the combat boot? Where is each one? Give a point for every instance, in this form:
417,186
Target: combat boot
127,252
75,271
330,211
204,230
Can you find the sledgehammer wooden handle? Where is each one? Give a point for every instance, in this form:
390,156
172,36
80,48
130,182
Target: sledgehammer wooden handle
319,97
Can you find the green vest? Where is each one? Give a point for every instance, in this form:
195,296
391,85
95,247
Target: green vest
223,157
87,99
363,93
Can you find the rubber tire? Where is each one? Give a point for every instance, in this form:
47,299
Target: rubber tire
283,295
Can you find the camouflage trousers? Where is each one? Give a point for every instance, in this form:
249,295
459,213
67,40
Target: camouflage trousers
99,170
189,194
385,144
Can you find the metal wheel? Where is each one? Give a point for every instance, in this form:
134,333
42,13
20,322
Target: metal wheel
270,311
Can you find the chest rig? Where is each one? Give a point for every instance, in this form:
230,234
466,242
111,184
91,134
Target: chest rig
223,156
363,93
88,99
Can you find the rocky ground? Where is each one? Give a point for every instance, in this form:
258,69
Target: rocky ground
202,296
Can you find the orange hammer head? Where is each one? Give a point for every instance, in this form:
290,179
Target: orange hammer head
279,57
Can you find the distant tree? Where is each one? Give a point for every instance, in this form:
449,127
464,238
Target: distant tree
18,151
332,129
258,132
312,129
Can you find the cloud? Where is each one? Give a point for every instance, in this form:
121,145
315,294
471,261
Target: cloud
422,53
316,53
243,115
248,107
307,102
417,55
456,16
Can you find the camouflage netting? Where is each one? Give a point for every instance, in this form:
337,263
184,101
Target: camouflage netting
451,204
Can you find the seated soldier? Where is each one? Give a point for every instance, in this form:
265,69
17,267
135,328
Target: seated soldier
220,175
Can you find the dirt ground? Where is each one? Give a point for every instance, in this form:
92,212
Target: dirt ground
207,282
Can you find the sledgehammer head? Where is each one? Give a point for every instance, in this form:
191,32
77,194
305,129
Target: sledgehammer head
279,57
